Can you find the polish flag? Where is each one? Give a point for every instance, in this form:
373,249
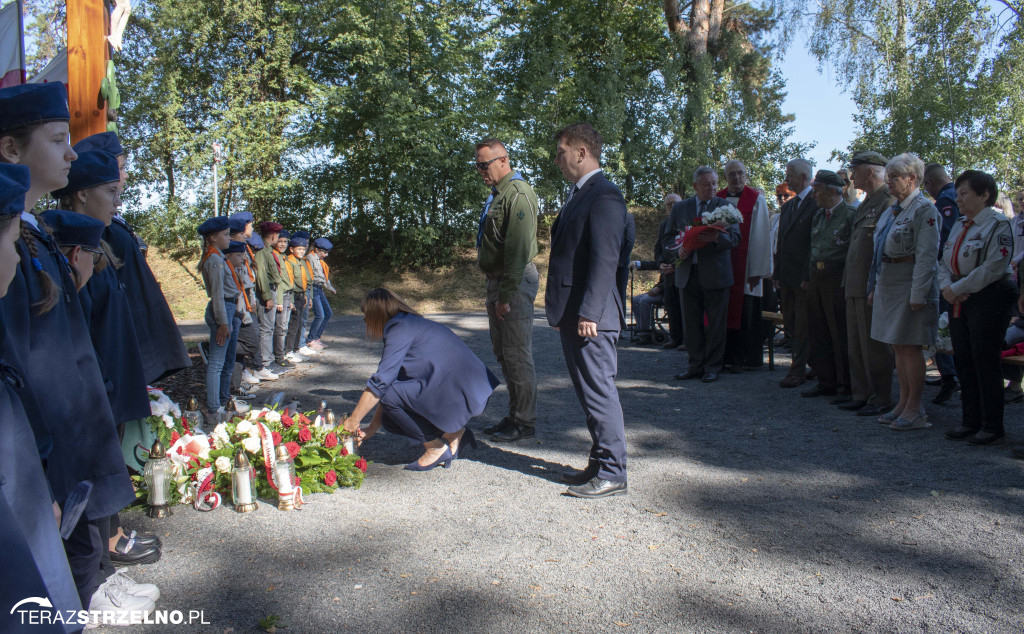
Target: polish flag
11,71
56,70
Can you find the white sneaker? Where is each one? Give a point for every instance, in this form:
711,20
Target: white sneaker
114,605
249,377
121,580
241,407
265,374
294,357
306,351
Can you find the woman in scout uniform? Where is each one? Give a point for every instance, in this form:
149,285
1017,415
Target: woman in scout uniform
902,287
48,340
300,275
33,551
220,312
322,313
976,279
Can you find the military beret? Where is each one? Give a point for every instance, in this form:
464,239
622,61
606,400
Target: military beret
323,243
89,170
256,242
283,235
102,142
244,216
270,227
14,183
868,158
236,246
235,225
75,230
28,104
827,177
298,241
301,234
213,225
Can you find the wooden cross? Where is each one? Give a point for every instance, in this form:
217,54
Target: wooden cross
88,53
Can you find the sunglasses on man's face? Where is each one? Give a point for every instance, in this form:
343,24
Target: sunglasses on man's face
483,166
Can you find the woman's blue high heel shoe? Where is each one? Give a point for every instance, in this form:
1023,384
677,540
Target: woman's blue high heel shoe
445,460
467,438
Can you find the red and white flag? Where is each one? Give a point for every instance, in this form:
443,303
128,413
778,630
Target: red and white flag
56,70
12,71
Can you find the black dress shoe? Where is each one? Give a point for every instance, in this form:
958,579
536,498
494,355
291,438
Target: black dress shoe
983,438
686,376
576,478
735,369
513,433
960,433
850,405
672,344
949,388
841,399
1017,452
596,488
817,390
129,552
933,382
710,377
500,426
145,539
873,410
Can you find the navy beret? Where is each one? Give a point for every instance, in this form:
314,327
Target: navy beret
236,246
298,241
213,225
301,234
28,104
244,216
236,225
323,243
89,170
283,233
71,229
102,142
256,242
14,182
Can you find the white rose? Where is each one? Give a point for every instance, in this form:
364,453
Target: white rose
252,445
254,432
221,429
168,421
273,417
223,464
244,427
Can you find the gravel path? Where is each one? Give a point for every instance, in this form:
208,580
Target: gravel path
750,509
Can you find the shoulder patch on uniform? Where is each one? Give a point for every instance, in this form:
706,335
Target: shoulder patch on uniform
1005,241
947,211
521,214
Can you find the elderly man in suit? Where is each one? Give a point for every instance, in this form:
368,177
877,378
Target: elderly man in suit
792,262
582,301
703,277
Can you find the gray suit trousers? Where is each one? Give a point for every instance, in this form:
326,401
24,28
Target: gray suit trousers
871,362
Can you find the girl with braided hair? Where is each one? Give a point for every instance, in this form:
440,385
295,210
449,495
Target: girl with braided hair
47,340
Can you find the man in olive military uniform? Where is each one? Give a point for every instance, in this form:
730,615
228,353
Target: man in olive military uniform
507,244
871,361
826,301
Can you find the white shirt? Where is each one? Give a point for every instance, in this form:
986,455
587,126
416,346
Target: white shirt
586,177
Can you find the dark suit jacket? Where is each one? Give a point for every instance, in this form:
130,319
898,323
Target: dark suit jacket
585,243
715,270
793,255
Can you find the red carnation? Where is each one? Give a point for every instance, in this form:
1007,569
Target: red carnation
293,449
361,465
330,478
184,425
211,442
180,451
303,419
298,480
175,437
305,435
331,440
287,421
344,451
276,437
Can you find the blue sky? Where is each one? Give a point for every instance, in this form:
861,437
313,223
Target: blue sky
824,113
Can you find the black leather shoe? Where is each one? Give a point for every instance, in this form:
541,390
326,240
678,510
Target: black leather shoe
817,391
576,478
983,438
960,433
1017,452
513,433
933,382
500,426
672,344
145,539
873,410
686,376
131,553
949,388
710,377
851,406
840,399
1009,396
596,488
734,369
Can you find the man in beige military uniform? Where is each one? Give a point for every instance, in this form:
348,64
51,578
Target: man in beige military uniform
871,362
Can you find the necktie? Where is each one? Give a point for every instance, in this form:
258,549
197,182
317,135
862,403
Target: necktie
954,262
703,207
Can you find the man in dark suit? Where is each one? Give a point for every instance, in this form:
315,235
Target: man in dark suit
703,277
583,303
792,262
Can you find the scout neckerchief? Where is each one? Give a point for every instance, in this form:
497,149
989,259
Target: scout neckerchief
327,269
241,290
210,250
248,269
291,273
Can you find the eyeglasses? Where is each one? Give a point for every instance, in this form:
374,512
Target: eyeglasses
483,166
